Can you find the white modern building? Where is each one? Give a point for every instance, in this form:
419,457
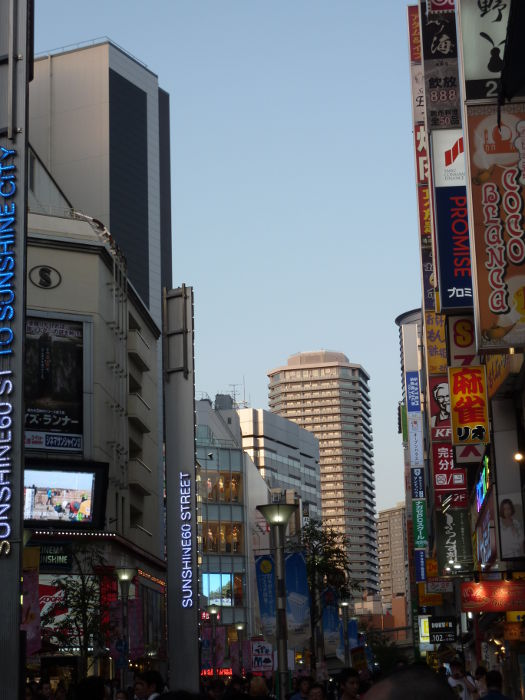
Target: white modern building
286,455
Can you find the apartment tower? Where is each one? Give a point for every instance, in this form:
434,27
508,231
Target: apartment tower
393,554
328,395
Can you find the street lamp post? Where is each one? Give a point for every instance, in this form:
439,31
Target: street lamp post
344,606
125,576
240,629
213,611
277,516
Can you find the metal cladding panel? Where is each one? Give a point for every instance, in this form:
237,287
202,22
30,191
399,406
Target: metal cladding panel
14,74
181,505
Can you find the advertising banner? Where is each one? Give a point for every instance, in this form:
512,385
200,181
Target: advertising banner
469,405
436,343
417,483
412,392
446,477
419,565
510,519
492,596
485,532
54,373
297,601
415,440
266,589
461,341
426,598
330,621
497,367
421,150
469,454
451,499
497,159
136,629
297,598
118,646
419,521
440,60
483,30
414,34
262,656
453,541
428,278
439,399
441,5
443,630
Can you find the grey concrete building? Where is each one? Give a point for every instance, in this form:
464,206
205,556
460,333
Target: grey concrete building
328,395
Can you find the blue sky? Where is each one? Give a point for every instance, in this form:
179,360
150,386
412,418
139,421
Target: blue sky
294,203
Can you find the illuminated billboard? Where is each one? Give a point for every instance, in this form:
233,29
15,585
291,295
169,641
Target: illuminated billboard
65,495
54,374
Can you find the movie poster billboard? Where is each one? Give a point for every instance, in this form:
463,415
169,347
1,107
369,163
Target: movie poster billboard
469,405
440,61
497,168
482,32
54,371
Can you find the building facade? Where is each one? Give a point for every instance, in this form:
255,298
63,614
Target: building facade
286,455
230,531
393,554
328,395
100,124
91,450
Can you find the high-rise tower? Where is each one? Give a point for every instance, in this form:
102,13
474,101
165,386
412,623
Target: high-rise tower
327,394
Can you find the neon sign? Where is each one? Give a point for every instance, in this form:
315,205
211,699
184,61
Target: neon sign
186,541
483,484
8,219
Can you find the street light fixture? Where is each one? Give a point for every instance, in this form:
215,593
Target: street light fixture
277,516
240,629
125,576
213,612
345,605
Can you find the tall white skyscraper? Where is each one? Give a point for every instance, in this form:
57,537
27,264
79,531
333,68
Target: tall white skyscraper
327,394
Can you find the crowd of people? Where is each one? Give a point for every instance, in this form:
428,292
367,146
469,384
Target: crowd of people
408,681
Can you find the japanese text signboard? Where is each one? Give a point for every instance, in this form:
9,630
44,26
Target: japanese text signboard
469,405
436,342
497,172
440,62
492,596
446,477
461,341
416,66
443,630
419,521
482,31
453,540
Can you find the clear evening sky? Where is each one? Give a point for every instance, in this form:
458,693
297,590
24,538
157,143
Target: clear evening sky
293,195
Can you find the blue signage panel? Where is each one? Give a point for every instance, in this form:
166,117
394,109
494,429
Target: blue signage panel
413,395
419,565
418,483
454,262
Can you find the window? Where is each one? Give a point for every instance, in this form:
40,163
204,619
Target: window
223,589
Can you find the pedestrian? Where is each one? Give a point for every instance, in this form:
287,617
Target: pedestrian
349,684
148,685
480,678
91,688
317,692
416,681
494,686
304,683
462,683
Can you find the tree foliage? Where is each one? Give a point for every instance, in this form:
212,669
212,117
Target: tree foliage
76,621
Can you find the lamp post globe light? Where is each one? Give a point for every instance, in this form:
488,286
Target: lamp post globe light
125,575
277,516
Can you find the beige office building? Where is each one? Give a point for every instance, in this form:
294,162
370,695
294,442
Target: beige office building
328,395
393,554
